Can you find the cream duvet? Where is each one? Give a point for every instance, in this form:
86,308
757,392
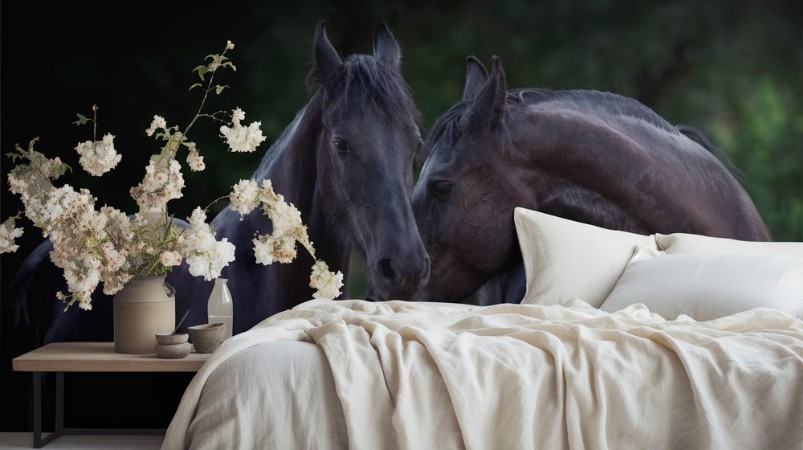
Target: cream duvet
403,375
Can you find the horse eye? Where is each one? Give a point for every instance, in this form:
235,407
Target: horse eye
440,188
341,146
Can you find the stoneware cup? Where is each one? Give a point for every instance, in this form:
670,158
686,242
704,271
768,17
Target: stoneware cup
207,337
172,345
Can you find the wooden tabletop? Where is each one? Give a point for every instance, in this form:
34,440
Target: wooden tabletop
100,357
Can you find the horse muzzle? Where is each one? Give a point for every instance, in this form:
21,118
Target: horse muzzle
395,279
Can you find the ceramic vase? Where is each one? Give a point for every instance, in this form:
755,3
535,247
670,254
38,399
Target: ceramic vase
146,306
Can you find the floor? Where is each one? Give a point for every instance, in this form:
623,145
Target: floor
25,440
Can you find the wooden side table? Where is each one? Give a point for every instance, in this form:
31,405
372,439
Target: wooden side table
63,357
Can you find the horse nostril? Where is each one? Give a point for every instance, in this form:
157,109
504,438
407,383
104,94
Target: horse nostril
387,270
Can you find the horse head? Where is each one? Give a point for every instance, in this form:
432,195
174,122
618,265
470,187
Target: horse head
365,161
463,193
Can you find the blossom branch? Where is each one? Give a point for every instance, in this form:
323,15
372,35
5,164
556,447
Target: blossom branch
212,68
94,122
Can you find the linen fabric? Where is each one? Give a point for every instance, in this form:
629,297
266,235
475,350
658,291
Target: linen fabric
417,375
707,286
566,260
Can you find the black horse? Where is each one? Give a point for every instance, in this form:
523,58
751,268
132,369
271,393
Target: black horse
588,156
345,162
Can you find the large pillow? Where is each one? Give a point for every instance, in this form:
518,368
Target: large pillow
707,286
565,260
694,243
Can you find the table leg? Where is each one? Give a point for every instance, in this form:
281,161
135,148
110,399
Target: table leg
59,403
37,409
38,441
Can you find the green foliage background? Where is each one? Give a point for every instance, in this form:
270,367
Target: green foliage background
731,68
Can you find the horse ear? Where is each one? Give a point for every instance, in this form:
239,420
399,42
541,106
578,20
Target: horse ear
327,61
489,104
386,48
475,77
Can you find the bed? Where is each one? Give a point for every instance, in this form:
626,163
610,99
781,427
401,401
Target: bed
622,341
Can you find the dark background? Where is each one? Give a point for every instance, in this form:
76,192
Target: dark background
732,68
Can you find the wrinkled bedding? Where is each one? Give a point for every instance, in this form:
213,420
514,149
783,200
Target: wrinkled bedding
388,375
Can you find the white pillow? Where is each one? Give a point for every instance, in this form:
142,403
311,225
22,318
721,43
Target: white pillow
707,286
694,243
565,260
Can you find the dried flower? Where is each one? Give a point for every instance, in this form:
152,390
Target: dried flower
161,184
244,197
194,159
157,124
205,256
171,258
98,157
240,138
7,235
326,283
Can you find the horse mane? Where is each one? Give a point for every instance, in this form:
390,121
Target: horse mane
584,100
369,82
278,145
699,137
591,100
445,126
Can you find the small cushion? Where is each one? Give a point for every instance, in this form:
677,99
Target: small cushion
707,286
566,260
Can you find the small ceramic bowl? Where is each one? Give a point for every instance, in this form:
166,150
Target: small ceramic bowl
173,350
207,337
172,345
171,338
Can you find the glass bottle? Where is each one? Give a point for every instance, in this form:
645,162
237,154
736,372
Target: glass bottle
220,307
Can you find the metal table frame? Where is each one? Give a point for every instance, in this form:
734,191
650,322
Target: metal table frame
84,357
59,430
